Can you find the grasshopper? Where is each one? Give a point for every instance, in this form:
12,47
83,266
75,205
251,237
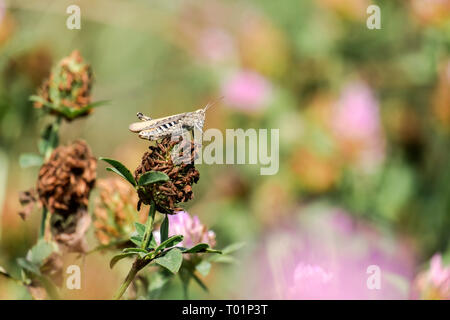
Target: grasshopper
155,129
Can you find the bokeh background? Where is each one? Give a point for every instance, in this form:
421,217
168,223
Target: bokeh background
364,120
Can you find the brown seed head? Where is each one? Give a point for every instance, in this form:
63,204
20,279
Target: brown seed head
115,210
66,179
69,86
182,175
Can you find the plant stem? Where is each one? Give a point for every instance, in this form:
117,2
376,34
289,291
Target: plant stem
130,276
53,136
139,263
149,226
43,223
47,152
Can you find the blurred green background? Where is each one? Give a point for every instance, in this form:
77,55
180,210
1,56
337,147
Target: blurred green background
364,115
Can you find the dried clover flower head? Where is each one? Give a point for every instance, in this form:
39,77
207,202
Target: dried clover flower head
68,89
182,174
115,210
66,178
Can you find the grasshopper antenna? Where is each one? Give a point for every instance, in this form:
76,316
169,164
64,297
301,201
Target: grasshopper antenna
210,104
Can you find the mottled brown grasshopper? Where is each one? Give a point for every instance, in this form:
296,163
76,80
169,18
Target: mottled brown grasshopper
155,129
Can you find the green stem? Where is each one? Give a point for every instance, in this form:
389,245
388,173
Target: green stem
139,263
130,276
149,226
54,136
43,223
47,152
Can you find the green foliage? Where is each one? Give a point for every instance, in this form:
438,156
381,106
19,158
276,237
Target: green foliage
49,139
34,261
119,257
69,113
140,228
201,247
120,169
165,228
144,180
27,160
171,260
41,251
169,242
152,177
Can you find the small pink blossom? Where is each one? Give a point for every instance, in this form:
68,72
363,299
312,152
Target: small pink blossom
438,274
191,228
435,282
356,123
247,90
356,114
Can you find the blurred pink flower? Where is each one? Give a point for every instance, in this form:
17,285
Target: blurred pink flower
191,228
247,90
356,123
438,274
216,45
310,281
326,255
435,282
356,115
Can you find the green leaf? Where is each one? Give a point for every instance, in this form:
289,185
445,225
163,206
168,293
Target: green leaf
36,98
171,260
201,247
233,247
222,259
100,103
208,250
41,251
73,113
120,169
137,240
170,242
134,250
29,266
140,228
164,230
49,139
27,160
119,257
203,268
152,243
152,177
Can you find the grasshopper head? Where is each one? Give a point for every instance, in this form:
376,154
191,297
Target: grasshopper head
146,135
